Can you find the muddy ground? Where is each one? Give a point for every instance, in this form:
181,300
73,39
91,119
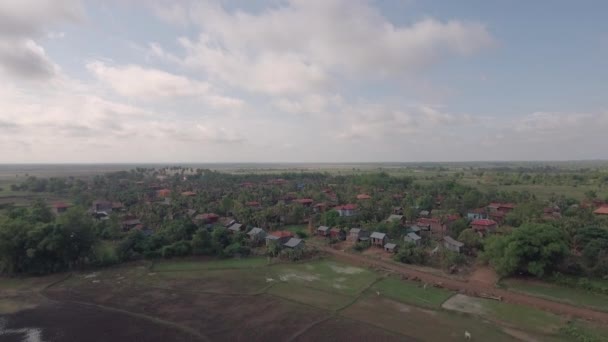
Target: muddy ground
67,322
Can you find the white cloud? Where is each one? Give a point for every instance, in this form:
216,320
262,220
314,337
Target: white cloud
152,84
135,81
23,20
300,46
24,58
314,103
29,17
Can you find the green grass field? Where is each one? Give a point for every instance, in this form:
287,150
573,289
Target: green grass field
326,275
412,293
569,295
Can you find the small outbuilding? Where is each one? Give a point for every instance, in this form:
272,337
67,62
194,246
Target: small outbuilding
323,231
337,233
452,245
391,247
356,234
235,228
256,234
413,238
294,243
378,239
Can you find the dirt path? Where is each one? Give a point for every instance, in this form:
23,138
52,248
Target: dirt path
472,288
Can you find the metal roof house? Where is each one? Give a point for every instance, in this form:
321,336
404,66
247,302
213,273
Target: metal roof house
323,231
391,247
294,243
235,228
413,238
378,239
256,234
451,244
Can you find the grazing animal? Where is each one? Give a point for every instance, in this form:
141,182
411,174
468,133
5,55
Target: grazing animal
425,284
467,335
378,293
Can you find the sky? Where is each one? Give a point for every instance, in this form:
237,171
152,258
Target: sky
130,81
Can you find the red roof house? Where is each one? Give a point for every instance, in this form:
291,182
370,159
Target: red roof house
436,227
188,193
207,218
347,209
484,225
60,207
363,197
304,201
163,193
253,204
603,210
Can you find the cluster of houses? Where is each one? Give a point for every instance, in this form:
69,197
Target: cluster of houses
256,235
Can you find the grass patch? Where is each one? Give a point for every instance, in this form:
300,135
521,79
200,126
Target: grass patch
310,296
326,275
192,265
421,324
525,317
568,295
412,293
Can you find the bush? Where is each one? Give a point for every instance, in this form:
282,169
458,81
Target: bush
236,249
180,248
104,254
361,246
451,259
411,254
301,234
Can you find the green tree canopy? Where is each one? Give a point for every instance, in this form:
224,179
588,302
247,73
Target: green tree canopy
531,249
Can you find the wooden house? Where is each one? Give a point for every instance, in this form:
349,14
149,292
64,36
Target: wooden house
477,214
484,226
452,245
294,243
256,235
207,218
60,207
601,211
280,236
337,233
355,234
413,238
235,228
378,239
130,224
323,231
391,247
346,210
396,218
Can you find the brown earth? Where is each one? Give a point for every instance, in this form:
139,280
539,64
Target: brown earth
472,288
484,275
342,329
69,322
215,317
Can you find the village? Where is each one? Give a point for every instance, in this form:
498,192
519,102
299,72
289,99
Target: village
439,226
412,238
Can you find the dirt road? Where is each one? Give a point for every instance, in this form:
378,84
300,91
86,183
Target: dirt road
472,288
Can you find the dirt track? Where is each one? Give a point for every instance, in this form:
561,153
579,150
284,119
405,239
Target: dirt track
472,288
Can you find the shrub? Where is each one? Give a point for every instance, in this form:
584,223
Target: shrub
361,246
104,254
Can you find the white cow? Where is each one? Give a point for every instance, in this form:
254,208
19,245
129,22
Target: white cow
467,335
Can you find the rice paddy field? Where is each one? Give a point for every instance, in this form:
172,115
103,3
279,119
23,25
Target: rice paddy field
255,299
